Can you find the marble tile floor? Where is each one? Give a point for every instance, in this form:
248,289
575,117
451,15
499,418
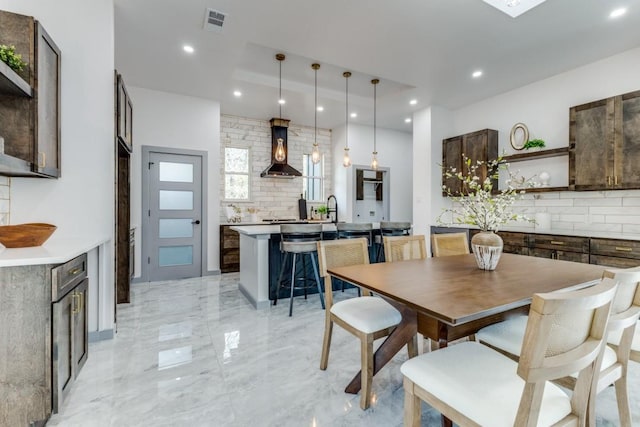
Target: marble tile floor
195,353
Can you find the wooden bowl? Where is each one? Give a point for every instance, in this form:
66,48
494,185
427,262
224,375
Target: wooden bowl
25,235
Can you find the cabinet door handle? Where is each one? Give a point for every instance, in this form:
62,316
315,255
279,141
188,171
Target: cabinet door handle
623,249
75,271
615,179
75,303
555,242
44,159
608,181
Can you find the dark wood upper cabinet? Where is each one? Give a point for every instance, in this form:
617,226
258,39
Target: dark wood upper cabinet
30,101
604,144
481,145
124,115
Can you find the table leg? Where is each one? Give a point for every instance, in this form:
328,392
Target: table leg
404,333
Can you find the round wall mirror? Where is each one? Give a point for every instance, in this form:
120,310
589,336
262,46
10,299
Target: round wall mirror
519,136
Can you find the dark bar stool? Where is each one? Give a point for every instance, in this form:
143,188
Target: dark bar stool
388,228
355,230
300,239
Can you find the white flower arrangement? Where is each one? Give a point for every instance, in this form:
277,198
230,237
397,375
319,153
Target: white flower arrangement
479,204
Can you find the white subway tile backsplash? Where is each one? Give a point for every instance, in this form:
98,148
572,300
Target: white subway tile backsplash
615,201
553,202
622,219
575,219
274,198
5,180
566,210
616,228
612,211
631,228
631,201
582,194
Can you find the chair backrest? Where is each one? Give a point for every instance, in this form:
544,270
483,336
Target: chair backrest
354,230
389,228
340,253
565,334
447,244
625,312
403,248
299,237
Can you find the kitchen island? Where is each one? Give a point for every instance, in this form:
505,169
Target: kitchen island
260,259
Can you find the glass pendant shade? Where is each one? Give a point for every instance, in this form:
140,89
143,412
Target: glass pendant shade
315,154
346,160
374,161
280,154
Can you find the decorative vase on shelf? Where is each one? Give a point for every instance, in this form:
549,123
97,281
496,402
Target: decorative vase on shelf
487,248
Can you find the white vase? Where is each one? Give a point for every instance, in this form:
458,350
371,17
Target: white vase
487,248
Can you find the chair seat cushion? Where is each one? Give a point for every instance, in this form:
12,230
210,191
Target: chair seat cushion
367,314
481,384
508,336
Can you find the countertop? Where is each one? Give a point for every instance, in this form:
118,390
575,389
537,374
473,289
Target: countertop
54,251
260,230
565,232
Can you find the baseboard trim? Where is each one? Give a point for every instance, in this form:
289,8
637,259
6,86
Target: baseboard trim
95,336
257,305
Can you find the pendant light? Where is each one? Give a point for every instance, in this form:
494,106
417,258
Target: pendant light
374,159
280,155
315,153
346,161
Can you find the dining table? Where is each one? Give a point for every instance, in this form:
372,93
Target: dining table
447,298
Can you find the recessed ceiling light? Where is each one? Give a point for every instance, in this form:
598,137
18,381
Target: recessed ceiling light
476,74
413,102
281,101
354,115
320,108
618,12
407,120
187,48
237,93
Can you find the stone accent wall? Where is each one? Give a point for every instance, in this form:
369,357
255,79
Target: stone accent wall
273,197
5,199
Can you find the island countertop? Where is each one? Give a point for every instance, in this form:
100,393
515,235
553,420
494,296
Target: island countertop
54,251
262,230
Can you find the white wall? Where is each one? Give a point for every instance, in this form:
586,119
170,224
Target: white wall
544,107
394,152
168,120
81,202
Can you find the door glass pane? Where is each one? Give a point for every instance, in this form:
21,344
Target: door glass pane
176,172
173,228
175,255
176,200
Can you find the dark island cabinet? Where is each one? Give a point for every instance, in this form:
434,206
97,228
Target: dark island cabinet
30,100
604,144
481,146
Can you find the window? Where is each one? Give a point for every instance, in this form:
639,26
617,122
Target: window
313,179
237,180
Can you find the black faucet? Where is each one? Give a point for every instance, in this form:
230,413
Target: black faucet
332,208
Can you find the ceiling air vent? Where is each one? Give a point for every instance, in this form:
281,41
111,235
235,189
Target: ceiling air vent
214,20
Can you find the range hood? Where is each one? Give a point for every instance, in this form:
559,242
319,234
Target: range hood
279,169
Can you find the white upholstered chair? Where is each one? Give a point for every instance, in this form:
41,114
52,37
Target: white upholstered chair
403,248
446,244
367,317
474,385
507,337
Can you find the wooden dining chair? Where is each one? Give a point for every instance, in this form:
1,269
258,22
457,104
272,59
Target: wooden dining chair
403,248
474,385
507,337
367,317
447,244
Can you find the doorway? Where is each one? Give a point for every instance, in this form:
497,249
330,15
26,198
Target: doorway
173,213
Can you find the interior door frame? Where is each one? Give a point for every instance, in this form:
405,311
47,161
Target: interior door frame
144,216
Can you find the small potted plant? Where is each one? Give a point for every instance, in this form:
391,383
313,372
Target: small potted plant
9,56
534,143
322,210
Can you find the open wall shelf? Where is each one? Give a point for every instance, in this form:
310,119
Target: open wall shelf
543,154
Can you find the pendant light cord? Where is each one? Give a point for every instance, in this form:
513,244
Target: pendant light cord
280,90
315,114
374,117
346,75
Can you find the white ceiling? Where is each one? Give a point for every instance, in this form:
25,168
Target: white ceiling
419,49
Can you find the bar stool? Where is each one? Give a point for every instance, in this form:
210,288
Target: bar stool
355,230
388,228
299,239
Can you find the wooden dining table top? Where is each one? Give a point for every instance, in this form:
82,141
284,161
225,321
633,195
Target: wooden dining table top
454,290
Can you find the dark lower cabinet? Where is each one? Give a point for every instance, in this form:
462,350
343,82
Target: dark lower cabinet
615,252
229,250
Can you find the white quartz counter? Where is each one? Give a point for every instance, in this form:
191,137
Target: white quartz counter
565,232
54,251
261,230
